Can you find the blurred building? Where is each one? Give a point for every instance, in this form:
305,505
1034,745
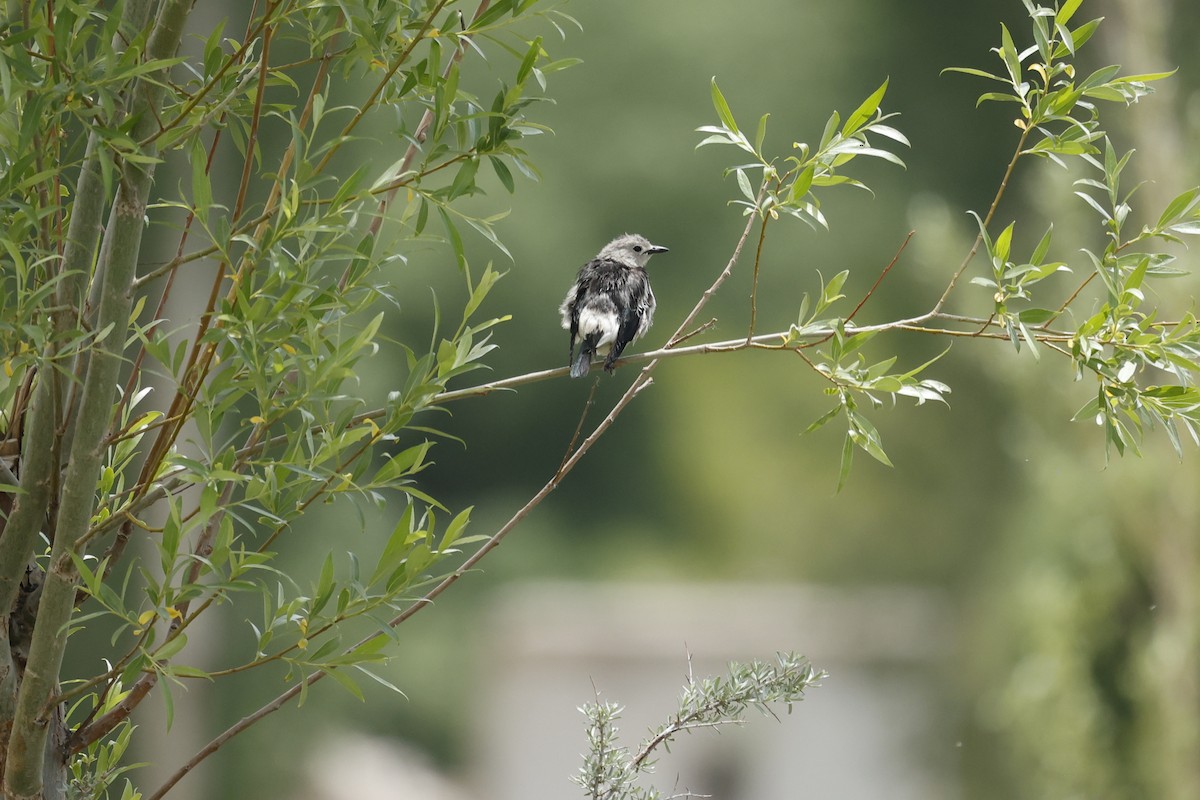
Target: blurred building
878,727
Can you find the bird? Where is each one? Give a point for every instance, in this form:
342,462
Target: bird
611,303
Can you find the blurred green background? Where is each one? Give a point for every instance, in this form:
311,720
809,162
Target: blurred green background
1074,577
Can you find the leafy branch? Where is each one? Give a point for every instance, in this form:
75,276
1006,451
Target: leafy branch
611,772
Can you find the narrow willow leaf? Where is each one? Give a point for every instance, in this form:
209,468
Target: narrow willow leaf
1067,11
761,133
847,460
1008,53
722,107
865,111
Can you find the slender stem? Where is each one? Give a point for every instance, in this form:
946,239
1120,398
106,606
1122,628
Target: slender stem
986,221
1066,303
197,255
587,406
762,235
264,64
697,331
882,275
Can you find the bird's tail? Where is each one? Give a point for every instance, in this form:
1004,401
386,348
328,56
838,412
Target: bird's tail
583,361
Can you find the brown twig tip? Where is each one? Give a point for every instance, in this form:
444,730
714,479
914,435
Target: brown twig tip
678,340
883,274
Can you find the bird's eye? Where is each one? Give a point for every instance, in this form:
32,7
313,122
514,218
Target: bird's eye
637,248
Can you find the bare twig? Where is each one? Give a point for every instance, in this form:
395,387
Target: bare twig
882,275
697,331
587,406
762,236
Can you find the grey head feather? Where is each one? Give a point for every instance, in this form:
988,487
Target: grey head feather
630,248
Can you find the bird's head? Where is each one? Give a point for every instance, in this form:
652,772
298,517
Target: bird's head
631,248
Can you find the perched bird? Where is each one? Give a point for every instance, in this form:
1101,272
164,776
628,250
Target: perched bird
611,303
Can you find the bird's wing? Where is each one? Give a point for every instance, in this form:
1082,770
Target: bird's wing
637,308
577,297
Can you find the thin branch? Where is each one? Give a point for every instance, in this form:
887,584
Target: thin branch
697,331
882,275
878,280
587,406
691,722
762,236
136,371
986,221
1066,303
85,735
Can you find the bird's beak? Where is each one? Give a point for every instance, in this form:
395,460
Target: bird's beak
654,248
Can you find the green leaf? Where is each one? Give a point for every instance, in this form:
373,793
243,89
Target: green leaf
1146,77
1036,316
820,421
171,648
455,529
722,107
184,671
1067,11
978,73
997,97
346,682
802,184
761,133
1100,77
407,462
831,125
847,460
464,181
324,586
492,15
396,548
201,186
865,111
1178,207
380,680
864,434
1043,247
535,48
1008,52
1080,35
502,173
1003,243
1029,338
455,238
